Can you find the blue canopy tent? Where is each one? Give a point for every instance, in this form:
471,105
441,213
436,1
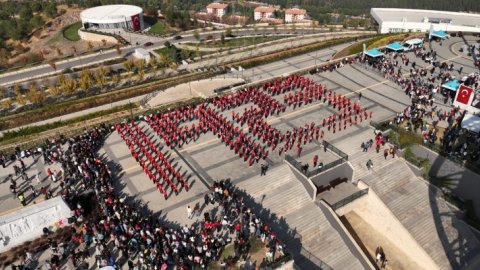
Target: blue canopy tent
374,53
395,46
439,34
452,85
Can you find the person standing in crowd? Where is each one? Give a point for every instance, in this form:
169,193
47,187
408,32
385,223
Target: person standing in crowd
369,164
189,212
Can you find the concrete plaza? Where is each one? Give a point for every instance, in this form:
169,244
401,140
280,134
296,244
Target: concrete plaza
208,159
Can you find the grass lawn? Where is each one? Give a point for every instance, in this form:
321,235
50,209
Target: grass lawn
71,32
236,42
159,28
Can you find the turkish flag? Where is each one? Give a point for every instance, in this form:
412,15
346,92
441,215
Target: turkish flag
464,93
136,22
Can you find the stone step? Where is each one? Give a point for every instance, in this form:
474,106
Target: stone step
424,215
286,197
275,178
359,163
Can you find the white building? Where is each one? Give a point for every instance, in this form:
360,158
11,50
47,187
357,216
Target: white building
141,53
264,13
217,9
393,20
295,15
113,16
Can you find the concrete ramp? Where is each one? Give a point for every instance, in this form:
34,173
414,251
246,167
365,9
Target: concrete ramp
422,211
321,232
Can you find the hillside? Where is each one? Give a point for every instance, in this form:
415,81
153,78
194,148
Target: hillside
316,7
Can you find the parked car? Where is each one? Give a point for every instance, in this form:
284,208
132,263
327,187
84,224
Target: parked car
148,44
177,37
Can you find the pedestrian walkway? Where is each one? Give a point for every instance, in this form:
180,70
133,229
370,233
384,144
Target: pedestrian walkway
321,233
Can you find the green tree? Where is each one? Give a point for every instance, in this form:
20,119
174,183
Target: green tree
228,32
100,80
36,6
196,34
36,21
18,92
197,52
54,89
119,50
165,60
115,79
51,9
128,65
85,81
222,39
141,74
34,95
6,103
104,70
61,79
69,86
25,13
152,62
3,92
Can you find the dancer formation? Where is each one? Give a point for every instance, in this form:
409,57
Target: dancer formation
248,133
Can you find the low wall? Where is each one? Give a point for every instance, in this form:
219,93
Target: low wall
96,37
464,181
307,183
374,212
335,222
343,170
27,223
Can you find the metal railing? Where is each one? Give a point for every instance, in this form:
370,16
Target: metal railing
314,259
335,150
279,262
349,199
309,173
384,126
325,167
294,163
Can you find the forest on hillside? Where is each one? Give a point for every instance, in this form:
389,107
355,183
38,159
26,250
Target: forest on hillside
316,8
357,7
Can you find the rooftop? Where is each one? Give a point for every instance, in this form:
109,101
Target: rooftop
296,11
110,12
266,9
419,15
217,5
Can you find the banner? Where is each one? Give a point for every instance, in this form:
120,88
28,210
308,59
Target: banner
476,100
463,94
136,22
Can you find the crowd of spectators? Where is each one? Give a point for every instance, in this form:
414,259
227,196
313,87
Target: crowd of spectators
424,87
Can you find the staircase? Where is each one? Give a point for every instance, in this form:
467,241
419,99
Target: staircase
359,161
421,210
296,214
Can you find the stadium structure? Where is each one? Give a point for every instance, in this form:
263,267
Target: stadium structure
113,17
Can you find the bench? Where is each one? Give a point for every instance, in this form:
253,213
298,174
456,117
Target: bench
338,181
322,188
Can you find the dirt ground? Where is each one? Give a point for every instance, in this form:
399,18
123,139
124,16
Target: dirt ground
397,260
49,40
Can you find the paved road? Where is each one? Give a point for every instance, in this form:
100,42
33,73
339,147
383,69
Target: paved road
262,72
43,70
226,57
